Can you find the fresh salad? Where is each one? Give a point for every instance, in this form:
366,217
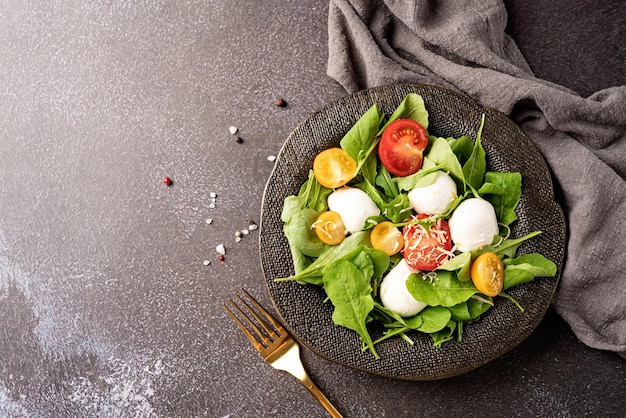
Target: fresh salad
408,229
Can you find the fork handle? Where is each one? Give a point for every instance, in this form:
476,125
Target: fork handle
308,383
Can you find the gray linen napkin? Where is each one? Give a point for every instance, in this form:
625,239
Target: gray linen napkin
462,45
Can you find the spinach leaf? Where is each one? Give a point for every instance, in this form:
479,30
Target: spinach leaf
362,261
446,334
360,140
300,261
300,235
475,167
503,191
461,262
515,276
470,310
350,245
446,290
424,177
460,312
291,205
396,210
392,320
536,263
441,154
380,261
412,107
433,318
311,195
477,307
462,147
351,296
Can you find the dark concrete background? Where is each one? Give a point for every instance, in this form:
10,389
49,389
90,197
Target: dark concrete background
106,305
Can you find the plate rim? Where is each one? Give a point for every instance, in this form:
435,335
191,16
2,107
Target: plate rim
552,201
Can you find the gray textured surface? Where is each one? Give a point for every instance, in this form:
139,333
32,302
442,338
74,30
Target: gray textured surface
106,307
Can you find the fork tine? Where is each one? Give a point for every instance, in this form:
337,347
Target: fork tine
278,328
266,333
263,332
257,344
263,336
275,345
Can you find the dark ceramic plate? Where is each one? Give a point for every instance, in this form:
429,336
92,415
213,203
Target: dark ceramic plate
503,327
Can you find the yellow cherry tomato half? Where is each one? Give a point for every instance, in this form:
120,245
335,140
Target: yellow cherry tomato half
329,228
487,274
333,168
386,237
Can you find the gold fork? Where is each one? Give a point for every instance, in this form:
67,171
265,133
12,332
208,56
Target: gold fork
274,343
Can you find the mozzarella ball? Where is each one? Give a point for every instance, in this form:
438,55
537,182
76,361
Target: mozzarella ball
354,206
393,292
473,224
435,198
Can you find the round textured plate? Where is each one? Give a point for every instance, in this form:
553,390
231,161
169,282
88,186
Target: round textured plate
503,327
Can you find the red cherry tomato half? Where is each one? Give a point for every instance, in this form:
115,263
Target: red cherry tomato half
426,249
401,147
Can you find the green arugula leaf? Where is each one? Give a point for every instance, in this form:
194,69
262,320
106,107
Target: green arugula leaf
445,334
369,169
385,182
424,177
507,247
527,267
398,210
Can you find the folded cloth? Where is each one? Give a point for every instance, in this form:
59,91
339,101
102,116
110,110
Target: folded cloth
462,45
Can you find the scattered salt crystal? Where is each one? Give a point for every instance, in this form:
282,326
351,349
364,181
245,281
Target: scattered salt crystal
209,221
206,262
212,195
220,249
237,239
233,130
271,158
212,205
